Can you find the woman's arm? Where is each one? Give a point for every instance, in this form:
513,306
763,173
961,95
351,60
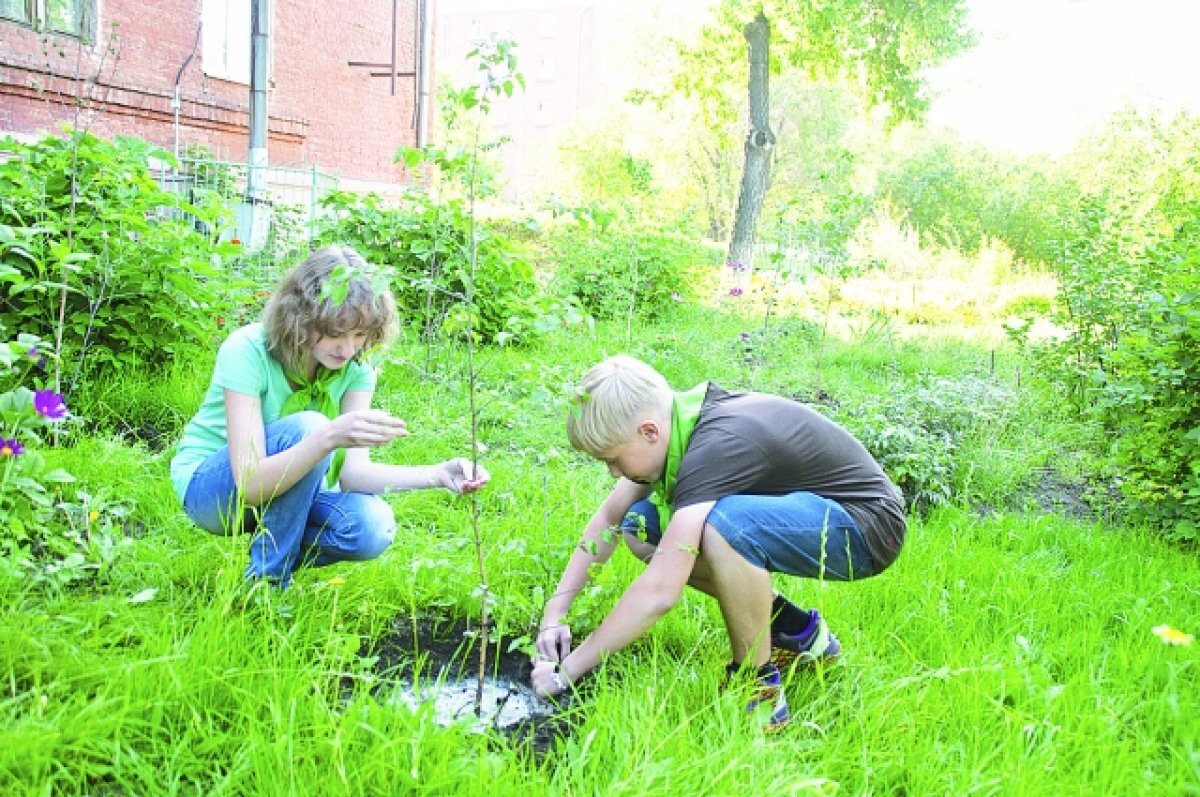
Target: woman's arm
260,477
361,475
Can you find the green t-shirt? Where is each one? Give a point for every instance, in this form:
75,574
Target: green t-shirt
244,366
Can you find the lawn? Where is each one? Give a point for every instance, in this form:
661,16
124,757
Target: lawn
1010,651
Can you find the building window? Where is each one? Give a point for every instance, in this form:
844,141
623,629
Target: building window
226,31
72,17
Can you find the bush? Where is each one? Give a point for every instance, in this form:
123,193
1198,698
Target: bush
88,239
426,246
917,433
618,273
1149,398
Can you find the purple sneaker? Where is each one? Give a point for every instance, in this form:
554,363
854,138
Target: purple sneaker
815,644
768,699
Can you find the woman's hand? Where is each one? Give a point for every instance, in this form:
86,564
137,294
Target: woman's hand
462,476
366,429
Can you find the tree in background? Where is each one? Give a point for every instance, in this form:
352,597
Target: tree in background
877,47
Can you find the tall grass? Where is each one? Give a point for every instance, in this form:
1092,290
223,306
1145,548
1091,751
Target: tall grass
1007,652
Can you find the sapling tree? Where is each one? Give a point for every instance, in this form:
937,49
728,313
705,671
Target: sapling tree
498,76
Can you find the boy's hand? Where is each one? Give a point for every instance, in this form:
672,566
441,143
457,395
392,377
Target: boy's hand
548,679
554,642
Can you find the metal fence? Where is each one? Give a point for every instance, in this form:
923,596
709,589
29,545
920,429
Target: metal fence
272,228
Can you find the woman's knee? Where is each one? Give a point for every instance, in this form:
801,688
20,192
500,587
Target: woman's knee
375,528
291,429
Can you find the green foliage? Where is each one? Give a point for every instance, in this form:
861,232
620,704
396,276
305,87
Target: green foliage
621,273
51,534
93,253
917,433
1130,275
1148,395
959,195
425,245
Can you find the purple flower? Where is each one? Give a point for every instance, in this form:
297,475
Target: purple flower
10,449
49,405
735,291
37,357
745,336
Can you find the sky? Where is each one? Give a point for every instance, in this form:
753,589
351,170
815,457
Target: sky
1044,72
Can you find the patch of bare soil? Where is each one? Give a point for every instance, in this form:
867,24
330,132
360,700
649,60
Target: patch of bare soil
436,661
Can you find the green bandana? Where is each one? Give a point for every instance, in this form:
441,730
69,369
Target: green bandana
314,394
685,410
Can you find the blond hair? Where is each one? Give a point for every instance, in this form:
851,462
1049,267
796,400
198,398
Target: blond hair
608,401
302,310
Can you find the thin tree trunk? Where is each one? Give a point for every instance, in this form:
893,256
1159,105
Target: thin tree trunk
759,143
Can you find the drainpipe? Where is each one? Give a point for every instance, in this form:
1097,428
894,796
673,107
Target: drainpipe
425,32
255,221
175,101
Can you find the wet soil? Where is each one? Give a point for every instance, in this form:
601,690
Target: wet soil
436,661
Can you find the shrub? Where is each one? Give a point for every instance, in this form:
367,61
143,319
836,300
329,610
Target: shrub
615,273
426,246
917,433
90,243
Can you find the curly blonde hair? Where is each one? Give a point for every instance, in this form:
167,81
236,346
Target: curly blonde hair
302,310
604,410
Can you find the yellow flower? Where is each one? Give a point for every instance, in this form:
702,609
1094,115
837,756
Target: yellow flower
93,515
337,581
1171,636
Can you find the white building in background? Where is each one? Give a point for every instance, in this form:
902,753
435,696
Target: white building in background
557,53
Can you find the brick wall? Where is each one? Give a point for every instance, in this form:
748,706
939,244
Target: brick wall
321,110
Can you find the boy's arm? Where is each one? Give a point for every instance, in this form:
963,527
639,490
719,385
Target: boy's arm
595,546
649,597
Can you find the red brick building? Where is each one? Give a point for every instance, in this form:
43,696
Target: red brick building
117,67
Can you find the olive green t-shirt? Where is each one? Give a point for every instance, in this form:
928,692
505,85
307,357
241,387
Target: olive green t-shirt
244,366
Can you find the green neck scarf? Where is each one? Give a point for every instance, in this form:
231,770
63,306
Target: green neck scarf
685,410
314,394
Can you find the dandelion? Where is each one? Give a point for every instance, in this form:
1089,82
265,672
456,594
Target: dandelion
1171,636
11,448
49,405
736,291
93,515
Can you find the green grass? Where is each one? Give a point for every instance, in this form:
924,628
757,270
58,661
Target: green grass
1006,653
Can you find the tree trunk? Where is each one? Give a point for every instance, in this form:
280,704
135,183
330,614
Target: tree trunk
759,142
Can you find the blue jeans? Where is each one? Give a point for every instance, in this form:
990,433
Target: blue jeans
308,525
800,534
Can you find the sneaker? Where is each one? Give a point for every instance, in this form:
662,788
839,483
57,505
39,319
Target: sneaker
815,644
769,698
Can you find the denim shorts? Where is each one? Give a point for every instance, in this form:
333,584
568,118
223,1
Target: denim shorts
800,534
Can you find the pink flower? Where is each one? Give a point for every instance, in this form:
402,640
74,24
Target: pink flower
10,449
735,291
49,405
